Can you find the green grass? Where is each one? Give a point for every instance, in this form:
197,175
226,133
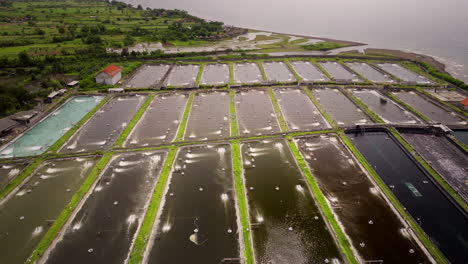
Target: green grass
316,64
363,106
408,107
323,46
415,68
242,201
343,241
364,79
429,169
183,122
291,68
232,114
423,237
262,70
279,114
231,73
134,121
59,143
200,73
141,241
20,178
319,107
65,214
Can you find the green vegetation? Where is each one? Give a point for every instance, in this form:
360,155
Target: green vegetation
411,109
279,114
183,122
59,143
19,179
323,46
319,107
429,169
291,68
315,63
232,114
415,68
142,239
423,237
343,242
134,121
363,106
200,73
65,214
262,70
242,201
446,77
231,73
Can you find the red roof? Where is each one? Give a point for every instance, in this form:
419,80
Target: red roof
112,70
464,102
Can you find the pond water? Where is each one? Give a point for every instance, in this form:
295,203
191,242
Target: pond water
308,71
370,72
215,74
147,76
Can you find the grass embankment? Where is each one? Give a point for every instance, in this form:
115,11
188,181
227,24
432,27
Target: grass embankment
65,214
408,107
59,143
231,73
20,178
316,64
319,107
364,79
262,70
323,46
232,114
134,121
415,68
449,105
363,106
237,169
444,76
200,73
342,240
183,122
429,169
293,71
423,237
142,239
279,114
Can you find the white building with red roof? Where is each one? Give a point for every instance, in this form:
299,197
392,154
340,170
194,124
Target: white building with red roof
109,76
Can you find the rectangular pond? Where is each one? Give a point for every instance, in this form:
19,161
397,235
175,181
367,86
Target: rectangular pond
287,226
147,76
446,95
439,217
446,158
374,229
338,72
308,71
209,117
215,74
104,128
339,107
404,74
32,208
299,111
42,136
160,122
247,73
429,109
278,71
183,75
369,72
9,171
104,228
255,113
386,108
197,220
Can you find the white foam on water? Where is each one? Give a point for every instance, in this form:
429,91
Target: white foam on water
98,188
34,148
131,219
76,226
21,193
374,190
37,230
224,197
99,143
55,170
218,132
13,172
128,163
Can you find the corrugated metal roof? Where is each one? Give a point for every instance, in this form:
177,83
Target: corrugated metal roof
112,70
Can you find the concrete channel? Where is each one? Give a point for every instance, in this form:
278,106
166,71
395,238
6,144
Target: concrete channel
209,117
437,214
299,111
386,108
9,171
255,114
339,73
404,74
39,138
198,219
308,71
369,72
429,109
339,107
103,229
29,211
160,122
183,75
247,73
287,226
104,128
376,231
148,76
278,71
215,74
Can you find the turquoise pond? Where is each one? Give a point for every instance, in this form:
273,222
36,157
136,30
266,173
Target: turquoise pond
38,139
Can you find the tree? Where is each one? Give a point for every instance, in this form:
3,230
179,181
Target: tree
128,40
24,58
